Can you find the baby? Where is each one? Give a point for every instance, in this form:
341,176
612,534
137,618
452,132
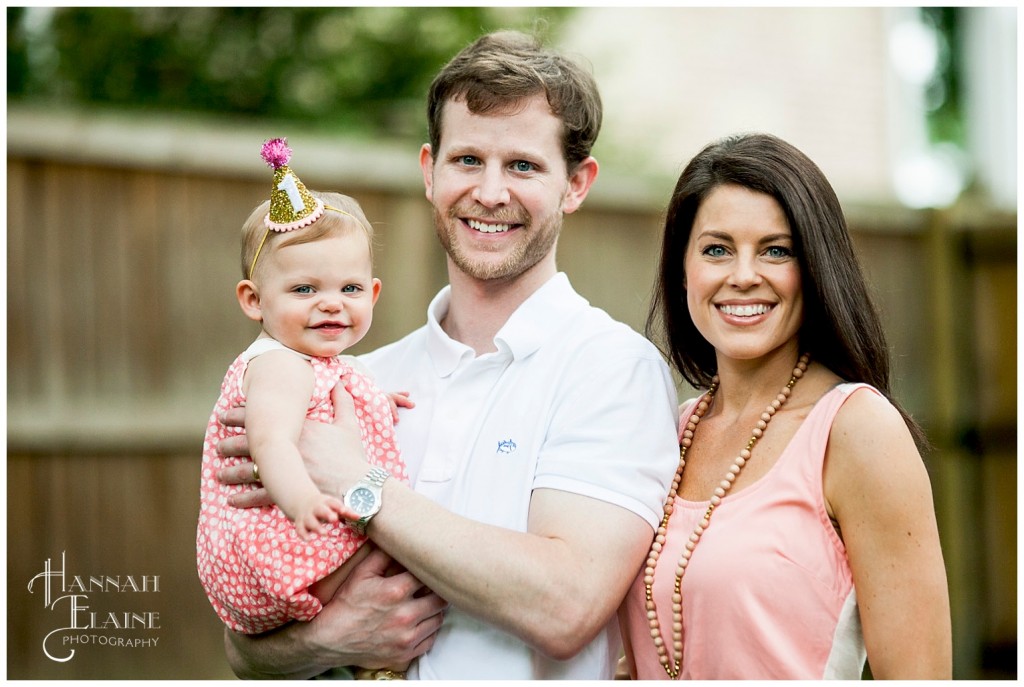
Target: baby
307,263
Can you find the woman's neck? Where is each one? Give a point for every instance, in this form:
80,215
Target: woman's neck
747,385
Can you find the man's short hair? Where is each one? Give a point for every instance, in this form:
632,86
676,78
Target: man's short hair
501,69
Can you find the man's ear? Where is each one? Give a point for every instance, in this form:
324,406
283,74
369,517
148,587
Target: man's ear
427,167
249,299
579,185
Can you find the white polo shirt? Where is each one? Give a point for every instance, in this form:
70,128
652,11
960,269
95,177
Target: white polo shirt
572,400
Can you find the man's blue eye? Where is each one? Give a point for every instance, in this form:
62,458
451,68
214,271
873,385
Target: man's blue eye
523,166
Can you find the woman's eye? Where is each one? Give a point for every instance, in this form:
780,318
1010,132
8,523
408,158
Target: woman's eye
715,251
778,252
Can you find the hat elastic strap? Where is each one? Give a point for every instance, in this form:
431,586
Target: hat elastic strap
256,257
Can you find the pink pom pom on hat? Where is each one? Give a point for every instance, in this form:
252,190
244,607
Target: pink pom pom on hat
275,152
292,206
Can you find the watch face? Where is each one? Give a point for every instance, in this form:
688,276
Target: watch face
362,500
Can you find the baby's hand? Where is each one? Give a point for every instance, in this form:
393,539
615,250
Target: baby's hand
399,399
320,510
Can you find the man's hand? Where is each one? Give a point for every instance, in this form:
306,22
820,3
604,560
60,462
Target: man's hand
394,615
373,621
243,473
333,452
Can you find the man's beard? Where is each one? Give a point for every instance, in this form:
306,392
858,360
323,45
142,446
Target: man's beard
540,241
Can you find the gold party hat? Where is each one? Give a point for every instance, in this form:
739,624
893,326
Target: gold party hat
292,206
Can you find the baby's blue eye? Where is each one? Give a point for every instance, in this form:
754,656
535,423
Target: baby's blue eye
351,288
304,289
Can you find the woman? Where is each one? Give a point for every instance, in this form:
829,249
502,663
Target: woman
801,533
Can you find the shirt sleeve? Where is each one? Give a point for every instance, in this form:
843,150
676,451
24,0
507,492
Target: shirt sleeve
613,432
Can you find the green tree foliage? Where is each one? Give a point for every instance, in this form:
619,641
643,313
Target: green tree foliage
353,68
944,92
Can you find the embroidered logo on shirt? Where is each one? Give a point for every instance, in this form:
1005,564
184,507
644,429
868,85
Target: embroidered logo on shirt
506,446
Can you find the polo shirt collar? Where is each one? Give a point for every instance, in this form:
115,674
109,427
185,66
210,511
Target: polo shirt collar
535,321
445,352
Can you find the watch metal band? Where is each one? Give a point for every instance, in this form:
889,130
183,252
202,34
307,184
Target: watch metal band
377,476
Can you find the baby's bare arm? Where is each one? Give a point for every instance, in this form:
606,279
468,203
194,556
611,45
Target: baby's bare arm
278,386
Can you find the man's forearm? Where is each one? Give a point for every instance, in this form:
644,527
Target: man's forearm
555,586
276,654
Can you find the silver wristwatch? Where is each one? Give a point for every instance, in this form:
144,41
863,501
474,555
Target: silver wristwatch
364,498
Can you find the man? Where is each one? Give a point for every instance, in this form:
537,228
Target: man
543,439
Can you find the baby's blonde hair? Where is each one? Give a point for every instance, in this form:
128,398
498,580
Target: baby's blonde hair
331,223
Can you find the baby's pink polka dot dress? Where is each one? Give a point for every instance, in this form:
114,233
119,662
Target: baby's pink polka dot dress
254,567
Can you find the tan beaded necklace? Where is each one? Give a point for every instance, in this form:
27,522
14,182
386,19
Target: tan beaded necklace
672,666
